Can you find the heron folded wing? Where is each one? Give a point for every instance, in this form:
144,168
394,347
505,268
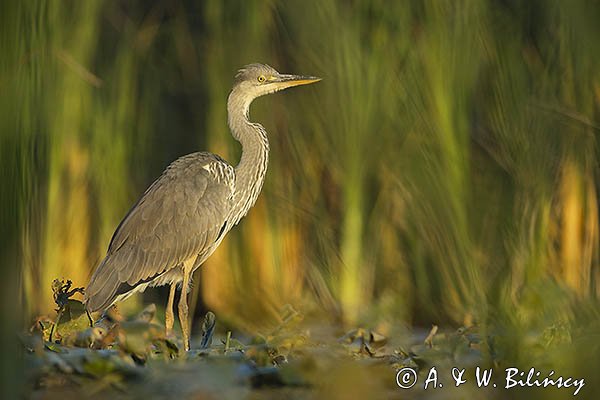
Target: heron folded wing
177,218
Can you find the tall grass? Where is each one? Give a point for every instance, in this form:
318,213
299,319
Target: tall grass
75,110
17,154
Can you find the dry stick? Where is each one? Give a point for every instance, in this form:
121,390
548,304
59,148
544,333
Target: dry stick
208,329
429,339
59,315
227,340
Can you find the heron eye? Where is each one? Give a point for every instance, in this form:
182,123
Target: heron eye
262,78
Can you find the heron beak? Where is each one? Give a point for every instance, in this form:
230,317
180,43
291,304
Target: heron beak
285,81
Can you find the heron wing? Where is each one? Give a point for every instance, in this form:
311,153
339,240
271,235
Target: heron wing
180,216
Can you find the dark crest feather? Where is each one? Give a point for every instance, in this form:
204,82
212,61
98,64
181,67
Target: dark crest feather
251,71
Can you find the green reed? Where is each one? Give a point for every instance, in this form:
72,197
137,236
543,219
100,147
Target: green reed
445,170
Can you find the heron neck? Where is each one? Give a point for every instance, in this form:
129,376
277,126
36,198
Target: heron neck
251,170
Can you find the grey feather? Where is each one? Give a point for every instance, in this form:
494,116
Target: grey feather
179,215
183,216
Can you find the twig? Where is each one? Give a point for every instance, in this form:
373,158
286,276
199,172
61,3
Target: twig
227,341
429,339
79,69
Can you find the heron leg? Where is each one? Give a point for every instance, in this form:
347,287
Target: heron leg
169,319
183,312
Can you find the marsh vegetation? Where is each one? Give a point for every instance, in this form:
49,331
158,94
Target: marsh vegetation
445,171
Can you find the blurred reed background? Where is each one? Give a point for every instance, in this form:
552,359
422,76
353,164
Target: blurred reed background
445,170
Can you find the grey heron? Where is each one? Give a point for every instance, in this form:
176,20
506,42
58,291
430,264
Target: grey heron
184,215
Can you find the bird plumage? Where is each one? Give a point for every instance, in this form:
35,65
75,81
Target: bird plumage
180,216
183,216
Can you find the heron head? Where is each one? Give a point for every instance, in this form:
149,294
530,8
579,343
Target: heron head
260,79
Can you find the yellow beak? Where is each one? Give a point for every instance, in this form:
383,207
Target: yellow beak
287,81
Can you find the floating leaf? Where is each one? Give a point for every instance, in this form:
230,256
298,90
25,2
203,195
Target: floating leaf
147,314
137,337
72,318
85,338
